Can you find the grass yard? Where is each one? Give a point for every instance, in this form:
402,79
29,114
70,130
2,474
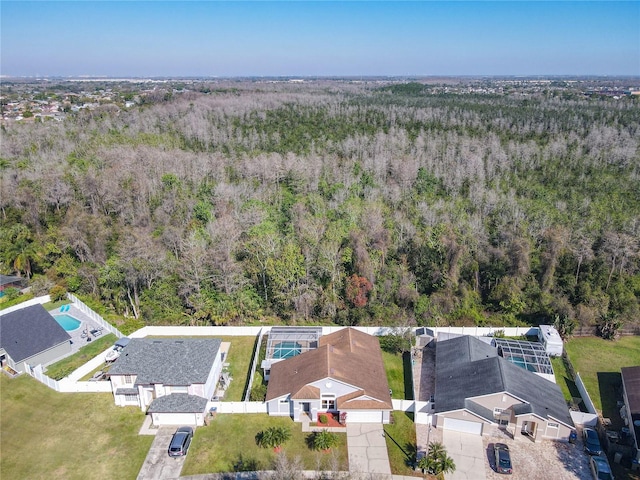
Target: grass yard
67,365
564,380
599,361
229,445
401,444
46,434
239,360
398,370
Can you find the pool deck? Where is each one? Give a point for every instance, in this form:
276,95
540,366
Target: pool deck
86,325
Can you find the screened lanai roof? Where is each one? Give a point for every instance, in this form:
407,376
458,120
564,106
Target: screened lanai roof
287,342
528,355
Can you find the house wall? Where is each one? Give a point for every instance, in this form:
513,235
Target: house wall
210,385
43,358
459,415
281,407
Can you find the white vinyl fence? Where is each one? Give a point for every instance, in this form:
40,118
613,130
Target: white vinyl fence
66,385
585,395
28,303
237,407
93,315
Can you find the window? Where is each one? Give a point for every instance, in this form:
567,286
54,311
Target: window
328,402
501,415
131,398
128,379
179,389
284,400
553,425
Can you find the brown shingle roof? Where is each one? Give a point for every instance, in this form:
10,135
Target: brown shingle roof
347,356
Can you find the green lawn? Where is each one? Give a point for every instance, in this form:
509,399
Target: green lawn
67,365
228,445
599,361
401,443
51,435
398,374
239,359
564,380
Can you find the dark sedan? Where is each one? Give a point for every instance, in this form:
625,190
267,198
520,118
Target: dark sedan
503,458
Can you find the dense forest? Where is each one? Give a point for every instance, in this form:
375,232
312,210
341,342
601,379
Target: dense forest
331,202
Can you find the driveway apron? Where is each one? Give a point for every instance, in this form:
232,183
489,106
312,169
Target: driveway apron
368,450
158,464
467,452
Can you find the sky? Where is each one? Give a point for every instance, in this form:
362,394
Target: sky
318,38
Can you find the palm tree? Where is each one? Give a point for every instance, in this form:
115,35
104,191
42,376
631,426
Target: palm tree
273,437
437,461
324,440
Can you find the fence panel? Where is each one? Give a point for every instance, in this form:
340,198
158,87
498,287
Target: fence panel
79,304
238,407
585,395
28,303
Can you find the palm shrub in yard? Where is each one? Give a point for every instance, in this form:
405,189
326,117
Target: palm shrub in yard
273,437
323,440
437,461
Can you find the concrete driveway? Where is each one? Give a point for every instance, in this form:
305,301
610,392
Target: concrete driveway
468,454
158,464
368,450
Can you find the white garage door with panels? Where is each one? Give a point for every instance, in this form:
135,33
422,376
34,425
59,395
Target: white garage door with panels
463,426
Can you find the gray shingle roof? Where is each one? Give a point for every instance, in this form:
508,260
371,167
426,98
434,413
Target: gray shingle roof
467,367
178,403
170,361
29,331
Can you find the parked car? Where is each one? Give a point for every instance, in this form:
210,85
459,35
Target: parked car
600,468
503,458
180,442
591,442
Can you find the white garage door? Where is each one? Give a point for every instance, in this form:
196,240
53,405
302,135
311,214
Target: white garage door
463,426
175,418
364,417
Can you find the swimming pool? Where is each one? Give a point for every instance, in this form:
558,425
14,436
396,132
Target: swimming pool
68,322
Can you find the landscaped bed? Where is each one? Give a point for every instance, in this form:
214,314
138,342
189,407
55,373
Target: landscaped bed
228,444
46,434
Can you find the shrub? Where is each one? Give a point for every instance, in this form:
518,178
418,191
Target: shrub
258,393
57,293
273,437
323,440
322,418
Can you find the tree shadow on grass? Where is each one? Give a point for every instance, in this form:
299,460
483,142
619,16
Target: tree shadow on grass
610,384
407,367
242,464
409,450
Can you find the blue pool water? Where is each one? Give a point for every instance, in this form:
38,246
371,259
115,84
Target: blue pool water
68,322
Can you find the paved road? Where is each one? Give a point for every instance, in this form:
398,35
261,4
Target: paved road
468,454
159,465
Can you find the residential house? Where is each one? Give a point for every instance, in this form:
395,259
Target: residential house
170,378
31,336
631,391
344,375
475,388
10,281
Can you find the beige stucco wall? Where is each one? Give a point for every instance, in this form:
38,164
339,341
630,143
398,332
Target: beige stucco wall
496,400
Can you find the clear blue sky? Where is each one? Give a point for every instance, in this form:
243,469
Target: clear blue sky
203,38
